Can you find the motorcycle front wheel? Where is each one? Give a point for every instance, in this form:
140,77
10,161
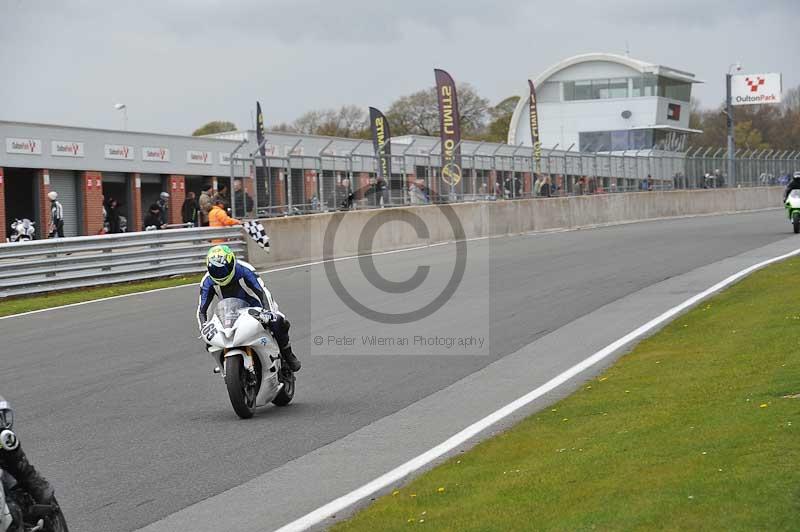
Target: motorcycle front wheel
241,391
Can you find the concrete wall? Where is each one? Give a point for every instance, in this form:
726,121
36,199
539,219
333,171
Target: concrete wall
300,238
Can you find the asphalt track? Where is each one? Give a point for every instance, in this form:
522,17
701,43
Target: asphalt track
117,404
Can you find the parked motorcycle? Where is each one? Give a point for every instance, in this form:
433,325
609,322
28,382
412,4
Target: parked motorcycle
248,357
793,209
22,230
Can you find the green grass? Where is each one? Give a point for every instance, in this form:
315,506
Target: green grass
17,305
690,431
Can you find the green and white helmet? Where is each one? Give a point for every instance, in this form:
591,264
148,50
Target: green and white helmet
221,264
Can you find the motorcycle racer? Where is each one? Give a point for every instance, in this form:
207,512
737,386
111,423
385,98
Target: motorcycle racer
794,184
229,277
14,462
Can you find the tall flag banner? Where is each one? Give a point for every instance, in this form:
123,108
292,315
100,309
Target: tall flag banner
381,141
261,171
450,127
537,144
260,133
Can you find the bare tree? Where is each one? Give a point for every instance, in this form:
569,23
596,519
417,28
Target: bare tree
347,121
418,113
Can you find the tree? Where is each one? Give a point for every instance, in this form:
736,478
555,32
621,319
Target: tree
418,113
497,130
216,126
348,121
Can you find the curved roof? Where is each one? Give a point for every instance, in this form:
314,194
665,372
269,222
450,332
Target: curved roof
635,64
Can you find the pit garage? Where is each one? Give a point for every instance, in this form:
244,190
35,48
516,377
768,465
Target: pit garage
65,182
20,195
152,187
116,185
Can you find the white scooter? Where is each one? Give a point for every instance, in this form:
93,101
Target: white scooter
22,230
248,357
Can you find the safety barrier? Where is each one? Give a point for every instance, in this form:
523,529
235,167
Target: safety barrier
60,264
302,238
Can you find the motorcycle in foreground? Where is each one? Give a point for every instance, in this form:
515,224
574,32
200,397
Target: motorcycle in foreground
22,230
793,209
35,517
248,357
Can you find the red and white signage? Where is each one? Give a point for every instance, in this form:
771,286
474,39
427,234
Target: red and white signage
754,89
66,148
199,157
119,151
155,154
24,146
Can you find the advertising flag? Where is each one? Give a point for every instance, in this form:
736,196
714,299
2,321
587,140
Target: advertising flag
381,141
450,127
262,176
537,144
260,132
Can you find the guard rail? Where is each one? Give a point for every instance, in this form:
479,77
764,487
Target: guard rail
49,265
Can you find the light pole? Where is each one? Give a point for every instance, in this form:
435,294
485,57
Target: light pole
729,113
124,108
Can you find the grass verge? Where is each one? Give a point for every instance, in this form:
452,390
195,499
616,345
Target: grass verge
18,305
698,428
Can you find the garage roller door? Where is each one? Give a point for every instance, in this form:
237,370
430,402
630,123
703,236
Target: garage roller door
65,182
114,177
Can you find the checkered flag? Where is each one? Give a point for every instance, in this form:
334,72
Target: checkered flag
258,233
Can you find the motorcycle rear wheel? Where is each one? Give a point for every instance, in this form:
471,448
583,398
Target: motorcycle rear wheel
244,403
796,222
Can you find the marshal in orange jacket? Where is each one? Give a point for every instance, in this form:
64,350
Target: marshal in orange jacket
217,217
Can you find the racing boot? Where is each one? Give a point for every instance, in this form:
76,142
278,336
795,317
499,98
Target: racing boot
288,356
25,474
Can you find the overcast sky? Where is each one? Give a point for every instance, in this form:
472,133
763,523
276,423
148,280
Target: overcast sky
180,63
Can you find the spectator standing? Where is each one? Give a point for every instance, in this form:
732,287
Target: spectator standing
56,216
189,209
222,194
204,205
112,216
241,199
344,194
163,206
544,187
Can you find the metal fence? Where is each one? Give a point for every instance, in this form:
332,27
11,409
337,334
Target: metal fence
65,263
298,183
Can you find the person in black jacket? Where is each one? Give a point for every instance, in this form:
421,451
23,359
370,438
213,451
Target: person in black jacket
242,201
112,216
153,218
14,462
189,209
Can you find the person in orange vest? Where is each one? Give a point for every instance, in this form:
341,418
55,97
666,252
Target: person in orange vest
217,217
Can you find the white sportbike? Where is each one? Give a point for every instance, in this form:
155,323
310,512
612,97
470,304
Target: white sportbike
248,357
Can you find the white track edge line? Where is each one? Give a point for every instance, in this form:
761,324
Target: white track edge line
351,257
337,505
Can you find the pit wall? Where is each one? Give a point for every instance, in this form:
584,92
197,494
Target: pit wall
300,238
